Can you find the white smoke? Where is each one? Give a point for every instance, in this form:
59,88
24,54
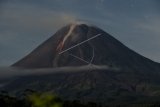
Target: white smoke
15,72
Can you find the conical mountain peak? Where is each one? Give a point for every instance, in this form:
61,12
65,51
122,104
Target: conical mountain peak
83,44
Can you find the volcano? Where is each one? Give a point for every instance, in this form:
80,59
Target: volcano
83,62
81,44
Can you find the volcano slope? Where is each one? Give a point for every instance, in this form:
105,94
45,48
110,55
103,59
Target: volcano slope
84,62
106,49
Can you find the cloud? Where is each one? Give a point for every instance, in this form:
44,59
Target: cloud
7,72
30,17
151,25
23,27
148,36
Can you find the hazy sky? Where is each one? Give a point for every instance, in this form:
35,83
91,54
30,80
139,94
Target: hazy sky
24,24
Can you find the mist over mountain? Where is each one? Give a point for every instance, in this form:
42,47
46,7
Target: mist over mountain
83,62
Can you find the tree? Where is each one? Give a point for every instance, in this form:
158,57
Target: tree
44,100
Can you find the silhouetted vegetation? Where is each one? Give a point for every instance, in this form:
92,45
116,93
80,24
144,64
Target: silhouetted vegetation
35,99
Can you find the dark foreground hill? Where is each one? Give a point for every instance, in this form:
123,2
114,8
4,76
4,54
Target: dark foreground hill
85,63
88,84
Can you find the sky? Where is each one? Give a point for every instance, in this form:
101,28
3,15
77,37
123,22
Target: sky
25,24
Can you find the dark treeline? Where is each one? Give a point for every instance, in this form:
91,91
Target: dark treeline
34,99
